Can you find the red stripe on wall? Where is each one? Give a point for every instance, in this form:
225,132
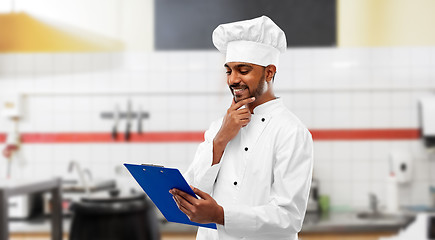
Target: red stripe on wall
366,134
318,135
107,137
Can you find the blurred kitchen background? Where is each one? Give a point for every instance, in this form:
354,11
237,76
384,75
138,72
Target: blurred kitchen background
86,86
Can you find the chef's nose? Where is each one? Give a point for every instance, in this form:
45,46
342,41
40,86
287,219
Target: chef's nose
233,79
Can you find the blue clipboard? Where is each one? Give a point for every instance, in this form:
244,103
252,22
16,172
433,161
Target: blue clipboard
156,181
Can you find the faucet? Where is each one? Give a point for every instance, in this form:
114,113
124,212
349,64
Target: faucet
88,172
80,172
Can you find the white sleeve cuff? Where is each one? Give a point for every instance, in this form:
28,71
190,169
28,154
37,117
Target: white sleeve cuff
206,174
208,179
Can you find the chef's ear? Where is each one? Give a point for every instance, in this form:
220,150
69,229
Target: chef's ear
270,73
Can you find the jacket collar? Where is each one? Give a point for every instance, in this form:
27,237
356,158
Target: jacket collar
268,107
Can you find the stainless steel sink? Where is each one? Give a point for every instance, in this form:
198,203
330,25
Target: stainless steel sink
73,186
375,214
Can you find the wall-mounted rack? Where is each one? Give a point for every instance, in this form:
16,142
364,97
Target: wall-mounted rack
125,115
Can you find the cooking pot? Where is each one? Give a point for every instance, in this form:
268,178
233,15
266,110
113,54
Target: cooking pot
114,216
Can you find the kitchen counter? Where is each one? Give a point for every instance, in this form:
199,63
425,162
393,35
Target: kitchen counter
335,223
350,223
42,225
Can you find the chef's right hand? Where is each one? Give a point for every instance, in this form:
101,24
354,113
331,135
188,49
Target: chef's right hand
234,120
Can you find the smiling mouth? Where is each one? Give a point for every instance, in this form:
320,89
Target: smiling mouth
238,91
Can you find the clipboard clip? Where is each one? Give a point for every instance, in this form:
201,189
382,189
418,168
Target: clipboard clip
152,165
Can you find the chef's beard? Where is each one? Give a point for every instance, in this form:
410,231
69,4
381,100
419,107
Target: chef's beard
259,90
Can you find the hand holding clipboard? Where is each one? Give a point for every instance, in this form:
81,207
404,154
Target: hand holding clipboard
156,181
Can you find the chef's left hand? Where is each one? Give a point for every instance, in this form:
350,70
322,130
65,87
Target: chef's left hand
204,210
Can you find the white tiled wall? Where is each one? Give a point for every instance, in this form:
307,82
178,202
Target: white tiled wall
328,88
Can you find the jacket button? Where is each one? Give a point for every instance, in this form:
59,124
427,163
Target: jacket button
235,183
263,119
246,149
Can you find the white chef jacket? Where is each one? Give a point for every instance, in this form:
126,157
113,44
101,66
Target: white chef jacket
263,179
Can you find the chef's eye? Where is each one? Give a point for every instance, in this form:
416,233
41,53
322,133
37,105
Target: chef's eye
228,72
244,71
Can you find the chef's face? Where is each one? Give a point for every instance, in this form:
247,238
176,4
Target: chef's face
245,80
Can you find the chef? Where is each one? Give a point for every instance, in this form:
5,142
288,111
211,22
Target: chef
253,171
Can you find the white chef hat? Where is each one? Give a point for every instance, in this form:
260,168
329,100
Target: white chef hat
258,41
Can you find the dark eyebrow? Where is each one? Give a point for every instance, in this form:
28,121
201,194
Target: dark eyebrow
240,65
244,65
